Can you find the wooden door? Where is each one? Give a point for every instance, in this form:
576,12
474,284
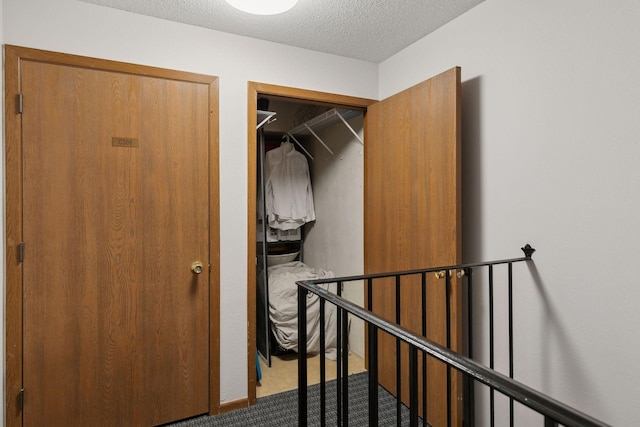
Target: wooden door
413,220
115,211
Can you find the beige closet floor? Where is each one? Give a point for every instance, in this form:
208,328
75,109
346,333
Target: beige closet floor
283,373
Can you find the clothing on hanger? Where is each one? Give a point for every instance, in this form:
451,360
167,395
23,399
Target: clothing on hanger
288,193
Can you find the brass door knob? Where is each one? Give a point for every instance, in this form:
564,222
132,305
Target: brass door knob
196,267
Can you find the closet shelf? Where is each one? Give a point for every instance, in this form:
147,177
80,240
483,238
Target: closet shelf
328,118
325,119
264,118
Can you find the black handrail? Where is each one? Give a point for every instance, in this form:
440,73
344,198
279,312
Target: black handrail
553,410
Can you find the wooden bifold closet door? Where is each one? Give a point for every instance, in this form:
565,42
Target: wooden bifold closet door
413,220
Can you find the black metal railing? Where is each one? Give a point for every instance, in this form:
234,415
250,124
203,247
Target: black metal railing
553,412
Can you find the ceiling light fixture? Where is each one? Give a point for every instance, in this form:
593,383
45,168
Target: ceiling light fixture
263,7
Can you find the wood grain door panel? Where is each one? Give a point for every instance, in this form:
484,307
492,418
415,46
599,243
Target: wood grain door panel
116,326
413,220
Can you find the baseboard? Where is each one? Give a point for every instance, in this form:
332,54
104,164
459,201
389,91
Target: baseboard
234,405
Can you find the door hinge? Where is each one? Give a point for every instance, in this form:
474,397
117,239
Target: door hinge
21,252
21,399
19,103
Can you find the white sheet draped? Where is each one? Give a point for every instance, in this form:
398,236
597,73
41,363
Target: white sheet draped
283,308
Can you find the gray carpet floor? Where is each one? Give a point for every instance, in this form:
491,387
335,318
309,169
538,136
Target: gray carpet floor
282,409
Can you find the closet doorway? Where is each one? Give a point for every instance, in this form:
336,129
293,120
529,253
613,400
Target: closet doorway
412,216
327,143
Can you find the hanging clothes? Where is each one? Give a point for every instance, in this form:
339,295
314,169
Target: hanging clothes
288,194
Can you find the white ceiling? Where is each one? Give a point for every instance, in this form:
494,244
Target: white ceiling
370,30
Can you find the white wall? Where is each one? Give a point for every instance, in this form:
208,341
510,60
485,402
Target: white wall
335,241
551,125
85,29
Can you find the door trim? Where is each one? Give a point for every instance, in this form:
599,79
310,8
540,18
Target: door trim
13,219
306,96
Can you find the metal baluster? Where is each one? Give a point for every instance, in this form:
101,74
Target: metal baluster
550,422
470,401
413,386
339,362
345,367
302,357
373,360
373,375
448,327
491,351
424,355
323,366
511,339
398,360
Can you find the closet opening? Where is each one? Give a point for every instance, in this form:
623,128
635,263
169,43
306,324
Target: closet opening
306,156
411,194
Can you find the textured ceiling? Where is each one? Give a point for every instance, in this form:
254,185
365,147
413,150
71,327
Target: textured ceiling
371,30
